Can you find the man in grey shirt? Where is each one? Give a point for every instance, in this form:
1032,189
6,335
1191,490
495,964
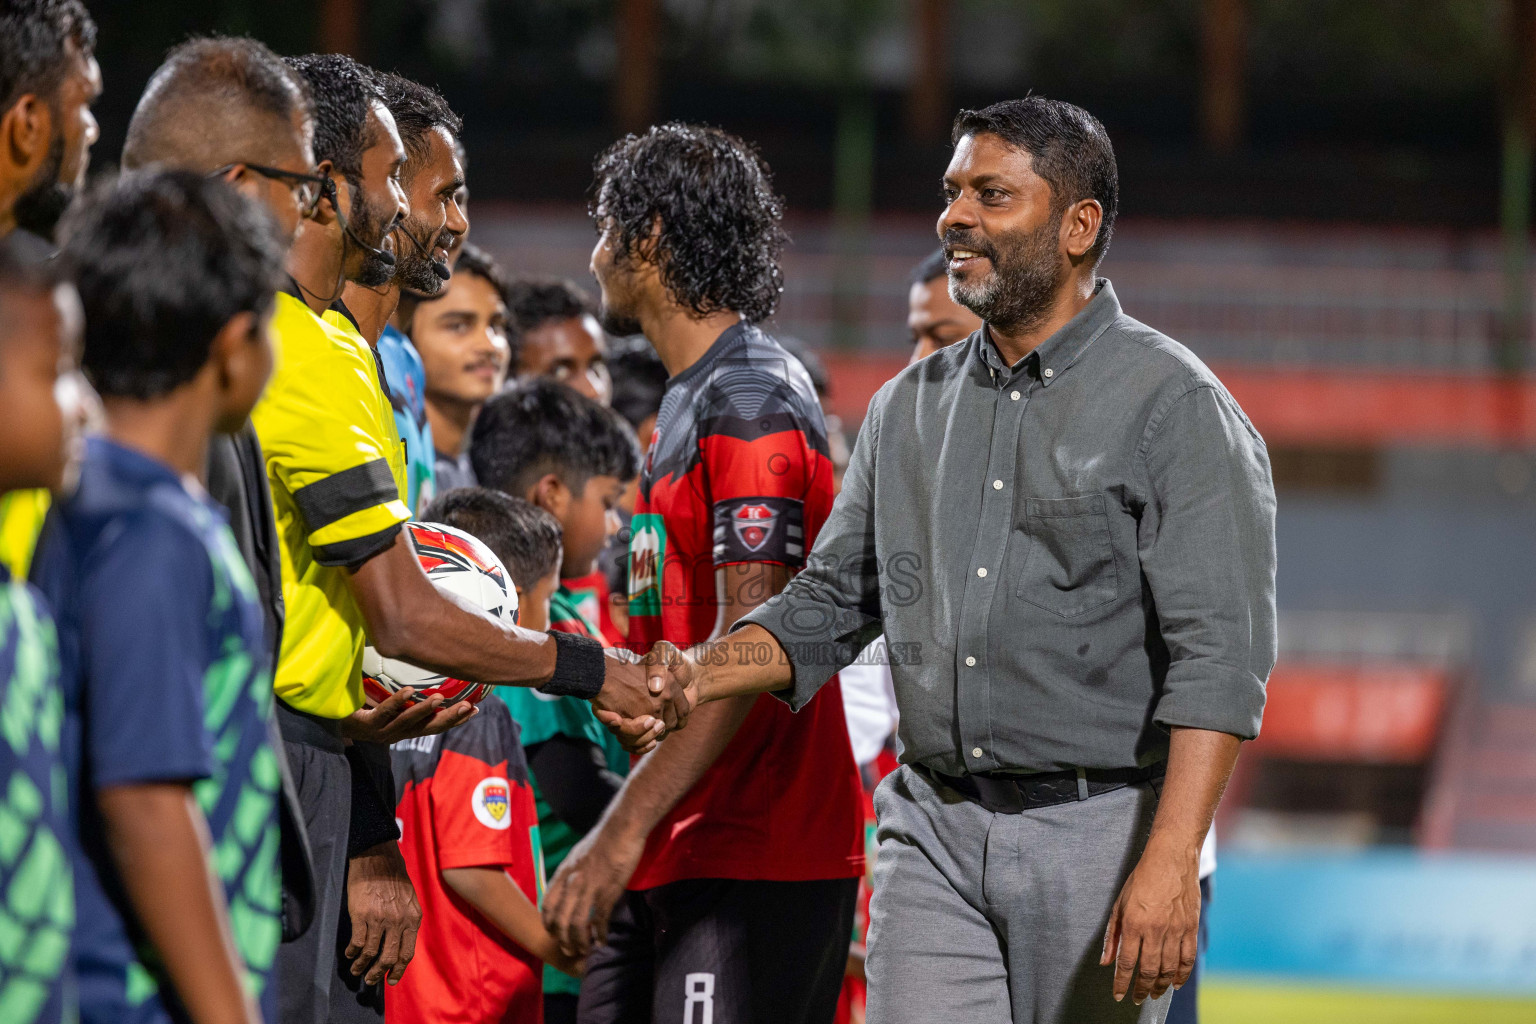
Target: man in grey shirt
1065,528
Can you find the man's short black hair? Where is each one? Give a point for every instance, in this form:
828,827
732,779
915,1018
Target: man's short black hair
34,45
1069,147
343,93
418,111
214,101
639,380
540,427
475,260
934,266
533,302
721,223
163,260
526,538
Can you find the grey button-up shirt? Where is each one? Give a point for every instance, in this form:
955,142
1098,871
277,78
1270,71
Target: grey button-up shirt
1067,556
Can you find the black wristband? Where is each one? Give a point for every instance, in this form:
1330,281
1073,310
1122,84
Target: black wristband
580,666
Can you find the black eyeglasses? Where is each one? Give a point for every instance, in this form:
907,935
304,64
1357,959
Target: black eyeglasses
307,188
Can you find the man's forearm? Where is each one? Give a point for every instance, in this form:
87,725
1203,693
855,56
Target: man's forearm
447,635
735,661
1151,937
372,816
158,839
1199,763
664,776
409,618
744,663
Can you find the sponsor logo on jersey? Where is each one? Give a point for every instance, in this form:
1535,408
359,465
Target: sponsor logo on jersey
491,802
753,525
419,744
647,554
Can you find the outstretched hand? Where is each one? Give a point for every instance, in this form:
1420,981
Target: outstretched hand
668,679
399,719
665,666
632,710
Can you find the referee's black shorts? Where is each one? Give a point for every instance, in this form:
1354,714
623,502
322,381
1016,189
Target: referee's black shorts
723,951
322,777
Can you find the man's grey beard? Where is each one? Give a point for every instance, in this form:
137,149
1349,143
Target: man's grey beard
1026,274
40,207
414,272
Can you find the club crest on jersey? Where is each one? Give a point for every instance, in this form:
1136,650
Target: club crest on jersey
754,524
492,803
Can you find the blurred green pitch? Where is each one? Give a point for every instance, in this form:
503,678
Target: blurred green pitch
1230,1001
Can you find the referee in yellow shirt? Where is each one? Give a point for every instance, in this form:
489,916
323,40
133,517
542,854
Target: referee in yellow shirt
350,577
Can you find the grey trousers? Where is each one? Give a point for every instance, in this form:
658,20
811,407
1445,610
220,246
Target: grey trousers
999,918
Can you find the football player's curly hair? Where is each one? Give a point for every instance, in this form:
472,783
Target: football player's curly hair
700,203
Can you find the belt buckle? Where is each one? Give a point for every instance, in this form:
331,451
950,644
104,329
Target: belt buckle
1000,796
1048,792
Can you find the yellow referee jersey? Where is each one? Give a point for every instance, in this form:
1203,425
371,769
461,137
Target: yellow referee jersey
21,521
337,470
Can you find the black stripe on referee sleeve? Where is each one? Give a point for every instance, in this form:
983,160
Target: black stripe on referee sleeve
354,552
339,495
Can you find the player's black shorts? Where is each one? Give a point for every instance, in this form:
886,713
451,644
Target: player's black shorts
720,951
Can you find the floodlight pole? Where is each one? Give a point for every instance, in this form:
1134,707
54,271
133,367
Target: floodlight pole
928,104
1223,52
637,74
853,174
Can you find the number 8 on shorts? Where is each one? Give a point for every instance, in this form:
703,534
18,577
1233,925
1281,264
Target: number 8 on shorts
699,990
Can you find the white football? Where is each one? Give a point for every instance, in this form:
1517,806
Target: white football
457,564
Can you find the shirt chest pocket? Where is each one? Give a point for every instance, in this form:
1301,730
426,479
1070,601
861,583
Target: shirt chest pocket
1069,566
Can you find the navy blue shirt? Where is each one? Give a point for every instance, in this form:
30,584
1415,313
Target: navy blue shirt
36,898
166,678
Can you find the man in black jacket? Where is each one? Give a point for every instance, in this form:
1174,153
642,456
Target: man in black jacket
213,105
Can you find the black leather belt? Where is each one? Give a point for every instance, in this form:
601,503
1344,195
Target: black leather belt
311,730
1012,794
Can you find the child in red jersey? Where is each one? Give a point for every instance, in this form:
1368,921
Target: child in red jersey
470,836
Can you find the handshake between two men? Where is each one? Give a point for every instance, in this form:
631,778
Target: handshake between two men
641,700
644,699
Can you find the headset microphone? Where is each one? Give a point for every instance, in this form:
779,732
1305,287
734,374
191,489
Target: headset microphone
439,269
384,256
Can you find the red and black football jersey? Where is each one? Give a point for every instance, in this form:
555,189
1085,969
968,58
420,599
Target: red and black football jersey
465,801
738,471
